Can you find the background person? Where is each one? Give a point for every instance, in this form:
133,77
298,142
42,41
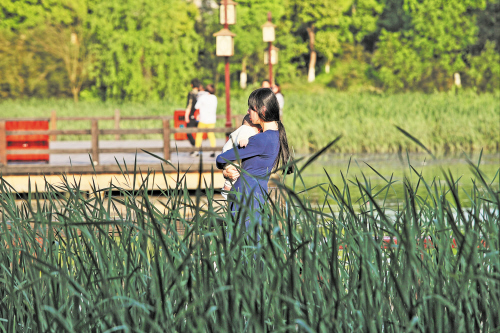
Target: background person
265,84
264,154
207,104
190,108
280,98
201,92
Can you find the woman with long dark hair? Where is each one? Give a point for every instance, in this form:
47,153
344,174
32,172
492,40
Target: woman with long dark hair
265,153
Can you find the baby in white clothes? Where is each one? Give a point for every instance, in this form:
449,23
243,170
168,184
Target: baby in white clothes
239,138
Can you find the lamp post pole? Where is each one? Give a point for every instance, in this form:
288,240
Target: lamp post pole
227,78
269,55
225,48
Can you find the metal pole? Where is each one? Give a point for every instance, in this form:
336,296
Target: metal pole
270,64
269,55
228,106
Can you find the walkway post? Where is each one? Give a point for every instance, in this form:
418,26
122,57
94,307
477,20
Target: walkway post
166,139
117,123
3,144
94,132
53,124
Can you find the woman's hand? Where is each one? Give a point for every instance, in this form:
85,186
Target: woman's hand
231,172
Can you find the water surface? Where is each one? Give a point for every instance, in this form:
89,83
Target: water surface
374,171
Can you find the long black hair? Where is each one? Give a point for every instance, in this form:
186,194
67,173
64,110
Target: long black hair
264,97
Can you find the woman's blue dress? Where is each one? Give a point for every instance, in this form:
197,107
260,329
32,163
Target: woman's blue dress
257,159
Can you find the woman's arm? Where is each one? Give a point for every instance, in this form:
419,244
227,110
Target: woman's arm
255,147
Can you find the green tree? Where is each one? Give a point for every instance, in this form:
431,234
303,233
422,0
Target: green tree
249,47
431,49
483,60
488,22
143,49
314,15
70,45
484,69
333,31
27,68
23,70
206,26
328,25
365,14
17,15
292,49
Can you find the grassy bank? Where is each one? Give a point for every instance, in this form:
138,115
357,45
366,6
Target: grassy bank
61,270
442,122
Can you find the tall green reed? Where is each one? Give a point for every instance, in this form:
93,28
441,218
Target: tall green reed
113,260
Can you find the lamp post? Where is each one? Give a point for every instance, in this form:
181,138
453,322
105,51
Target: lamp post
269,37
274,55
225,45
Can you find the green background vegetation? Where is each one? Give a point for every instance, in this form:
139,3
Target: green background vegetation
443,122
143,50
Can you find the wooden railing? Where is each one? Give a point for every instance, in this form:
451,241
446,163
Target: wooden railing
117,118
166,131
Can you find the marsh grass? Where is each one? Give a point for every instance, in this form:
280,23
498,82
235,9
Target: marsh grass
73,262
444,122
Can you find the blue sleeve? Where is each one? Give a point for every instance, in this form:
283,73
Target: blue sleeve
255,147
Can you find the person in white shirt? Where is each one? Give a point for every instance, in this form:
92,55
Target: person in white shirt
239,138
207,104
280,98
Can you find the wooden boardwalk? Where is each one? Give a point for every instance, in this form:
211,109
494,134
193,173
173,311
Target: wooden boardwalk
101,162
78,166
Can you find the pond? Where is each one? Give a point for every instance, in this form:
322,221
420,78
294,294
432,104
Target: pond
377,170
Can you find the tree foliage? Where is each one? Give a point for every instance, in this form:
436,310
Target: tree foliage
149,49
144,49
431,49
249,47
